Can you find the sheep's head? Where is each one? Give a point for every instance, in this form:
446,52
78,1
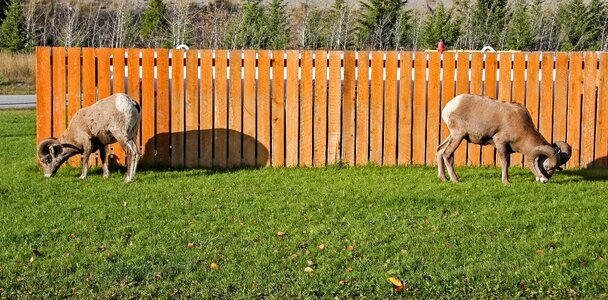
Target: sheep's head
53,154
545,160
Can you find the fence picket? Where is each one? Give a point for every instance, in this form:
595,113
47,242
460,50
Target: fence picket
589,113
448,86
163,110
488,152
73,82
235,110
601,150
191,114
263,109
220,126
519,93
103,73
148,106
306,109
349,108
249,110
278,109
575,95
206,109
334,103
462,87
390,110
44,100
433,110
476,88
320,109
118,86
292,103
561,97
362,123
59,91
546,97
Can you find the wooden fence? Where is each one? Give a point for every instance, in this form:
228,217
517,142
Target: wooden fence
204,108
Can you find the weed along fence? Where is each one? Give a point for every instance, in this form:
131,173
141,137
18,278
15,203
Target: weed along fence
205,108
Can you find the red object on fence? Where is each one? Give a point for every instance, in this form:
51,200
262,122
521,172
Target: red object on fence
441,47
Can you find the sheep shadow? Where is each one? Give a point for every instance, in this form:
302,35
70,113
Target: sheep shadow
217,150
595,171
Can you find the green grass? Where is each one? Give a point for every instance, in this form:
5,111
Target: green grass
156,237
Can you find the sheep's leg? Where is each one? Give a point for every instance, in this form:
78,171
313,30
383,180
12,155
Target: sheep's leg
505,157
131,148
448,155
103,154
85,161
440,162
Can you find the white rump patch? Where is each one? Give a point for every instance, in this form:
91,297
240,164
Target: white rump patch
125,106
450,107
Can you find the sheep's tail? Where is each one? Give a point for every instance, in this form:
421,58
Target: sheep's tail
443,144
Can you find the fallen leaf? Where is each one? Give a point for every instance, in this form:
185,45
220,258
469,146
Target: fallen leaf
214,266
158,275
1,290
295,254
370,205
281,234
321,247
350,248
72,235
190,245
124,204
31,259
308,270
310,263
398,284
540,252
101,248
349,269
343,282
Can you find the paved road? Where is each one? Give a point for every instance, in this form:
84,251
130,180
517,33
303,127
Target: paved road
17,101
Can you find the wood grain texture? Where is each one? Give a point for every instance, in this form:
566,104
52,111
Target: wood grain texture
148,108
575,97
488,152
59,91
292,106
278,109
177,109
192,110
235,110
546,97
519,94
44,100
389,157
206,109
476,88
334,103
363,102
249,109
163,111
263,108
220,125
433,107
306,110
601,148
462,87
589,110
320,109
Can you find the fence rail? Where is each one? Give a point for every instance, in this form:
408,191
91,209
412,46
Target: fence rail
218,108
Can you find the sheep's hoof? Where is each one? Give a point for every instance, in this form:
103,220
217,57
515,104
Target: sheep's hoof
542,179
82,177
127,179
442,178
506,182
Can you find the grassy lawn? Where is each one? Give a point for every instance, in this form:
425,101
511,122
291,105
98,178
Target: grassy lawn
211,234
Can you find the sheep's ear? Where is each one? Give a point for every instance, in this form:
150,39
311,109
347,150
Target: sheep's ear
55,150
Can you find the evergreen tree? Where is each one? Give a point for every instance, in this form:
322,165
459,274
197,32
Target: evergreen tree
154,27
12,31
597,17
439,26
573,23
313,37
519,31
463,12
377,23
2,10
248,30
277,26
489,22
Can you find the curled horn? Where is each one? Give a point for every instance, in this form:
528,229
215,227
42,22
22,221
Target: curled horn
43,147
565,151
546,168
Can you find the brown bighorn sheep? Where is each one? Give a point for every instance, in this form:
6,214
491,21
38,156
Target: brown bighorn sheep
506,126
93,128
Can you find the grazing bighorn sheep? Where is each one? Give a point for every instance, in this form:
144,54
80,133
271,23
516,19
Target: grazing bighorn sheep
93,128
506,126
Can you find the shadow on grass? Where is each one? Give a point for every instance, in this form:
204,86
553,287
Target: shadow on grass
596,170
214,151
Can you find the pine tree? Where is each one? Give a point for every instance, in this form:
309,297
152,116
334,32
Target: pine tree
277,26
377,23
519,31
597,17
489,22
573,23
154,27
12,31
439,26
247,31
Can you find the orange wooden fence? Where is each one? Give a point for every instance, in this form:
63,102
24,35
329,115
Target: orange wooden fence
205,108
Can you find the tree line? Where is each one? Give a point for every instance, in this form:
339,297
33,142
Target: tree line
530,25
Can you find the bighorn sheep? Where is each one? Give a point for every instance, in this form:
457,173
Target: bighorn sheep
93,128
506,126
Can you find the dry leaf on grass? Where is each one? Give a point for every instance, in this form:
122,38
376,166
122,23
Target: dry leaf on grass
308,270
281,234
214,266
350,248
321,247
398,284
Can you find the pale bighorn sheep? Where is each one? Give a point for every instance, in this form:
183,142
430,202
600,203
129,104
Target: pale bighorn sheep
115,118
506,126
